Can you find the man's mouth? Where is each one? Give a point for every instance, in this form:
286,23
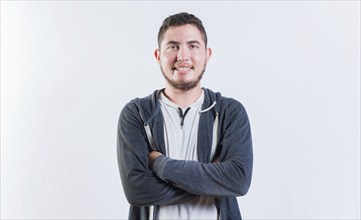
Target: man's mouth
183,69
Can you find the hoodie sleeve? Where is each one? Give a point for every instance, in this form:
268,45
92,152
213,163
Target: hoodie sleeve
141,186
231,176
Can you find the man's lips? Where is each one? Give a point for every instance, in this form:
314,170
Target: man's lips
183,69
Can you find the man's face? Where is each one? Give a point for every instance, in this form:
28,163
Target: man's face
182,56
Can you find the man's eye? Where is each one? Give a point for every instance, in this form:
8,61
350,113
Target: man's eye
172,47
193,46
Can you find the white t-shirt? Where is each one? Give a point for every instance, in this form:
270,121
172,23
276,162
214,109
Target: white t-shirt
180,133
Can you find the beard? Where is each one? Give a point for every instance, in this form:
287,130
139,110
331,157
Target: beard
184,86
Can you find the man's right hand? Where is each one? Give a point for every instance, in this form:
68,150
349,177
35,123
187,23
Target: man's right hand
152,156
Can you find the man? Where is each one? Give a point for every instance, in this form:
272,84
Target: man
184,152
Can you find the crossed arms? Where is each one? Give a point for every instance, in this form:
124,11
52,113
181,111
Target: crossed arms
169,181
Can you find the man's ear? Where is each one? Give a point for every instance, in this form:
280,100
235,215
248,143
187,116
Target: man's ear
157,54
209,53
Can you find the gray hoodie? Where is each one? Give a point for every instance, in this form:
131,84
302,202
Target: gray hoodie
168,181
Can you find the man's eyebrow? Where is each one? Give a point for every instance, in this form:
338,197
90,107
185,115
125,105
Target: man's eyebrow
177,43
172,42
193,42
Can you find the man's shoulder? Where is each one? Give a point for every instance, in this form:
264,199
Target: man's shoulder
142,105
144,100
223,101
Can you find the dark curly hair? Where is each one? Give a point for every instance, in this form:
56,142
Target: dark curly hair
179,20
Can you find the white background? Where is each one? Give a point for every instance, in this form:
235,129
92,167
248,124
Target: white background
67,69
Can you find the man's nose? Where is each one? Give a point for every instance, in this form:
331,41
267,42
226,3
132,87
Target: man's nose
183,54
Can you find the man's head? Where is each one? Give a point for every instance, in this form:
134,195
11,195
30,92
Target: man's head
179,20
182,53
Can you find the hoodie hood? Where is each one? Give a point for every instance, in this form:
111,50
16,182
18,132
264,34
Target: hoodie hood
149,106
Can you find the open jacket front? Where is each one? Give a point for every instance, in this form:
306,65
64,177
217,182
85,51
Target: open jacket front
141,130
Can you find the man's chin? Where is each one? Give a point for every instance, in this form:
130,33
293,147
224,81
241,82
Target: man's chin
184,86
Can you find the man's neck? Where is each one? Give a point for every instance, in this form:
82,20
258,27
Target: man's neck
183,98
